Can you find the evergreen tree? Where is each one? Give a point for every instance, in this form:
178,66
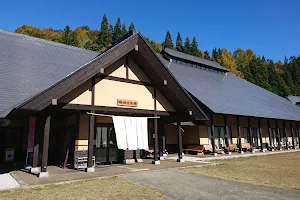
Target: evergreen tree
187,46
260,73
124,29
117,31
104,37
206,55
131,27
194,47
215,54
111,30
179,46
66,35
168,43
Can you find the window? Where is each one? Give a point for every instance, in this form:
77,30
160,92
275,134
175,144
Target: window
219,136
246,134
296,138
197,66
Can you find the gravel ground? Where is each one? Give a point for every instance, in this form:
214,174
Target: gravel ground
178,184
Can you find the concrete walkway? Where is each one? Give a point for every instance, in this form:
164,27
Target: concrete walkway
8,182
178,184
208,158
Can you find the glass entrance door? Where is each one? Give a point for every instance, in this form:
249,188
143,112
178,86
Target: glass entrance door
105,149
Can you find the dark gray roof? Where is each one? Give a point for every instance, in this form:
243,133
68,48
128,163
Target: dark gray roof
195,59
229,94
30,65
294,99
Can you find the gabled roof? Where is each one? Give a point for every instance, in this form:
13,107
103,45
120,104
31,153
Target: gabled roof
189,58
229,94
51,70
294,99
30,65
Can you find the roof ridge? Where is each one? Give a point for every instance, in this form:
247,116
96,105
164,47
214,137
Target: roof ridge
47,42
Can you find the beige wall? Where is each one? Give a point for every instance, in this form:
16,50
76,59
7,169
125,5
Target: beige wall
108,91
81,143
190,135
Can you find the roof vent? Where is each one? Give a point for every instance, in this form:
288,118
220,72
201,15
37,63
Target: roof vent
136,47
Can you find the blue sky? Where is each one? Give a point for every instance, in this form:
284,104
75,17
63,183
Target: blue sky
269,27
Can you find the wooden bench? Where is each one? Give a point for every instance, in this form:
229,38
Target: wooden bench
207,148
198,149
81,159
233,147
246,147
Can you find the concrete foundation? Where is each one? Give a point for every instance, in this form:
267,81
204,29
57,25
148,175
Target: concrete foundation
43,174
180,160
128,161
139,160
156,162
35,170
90,169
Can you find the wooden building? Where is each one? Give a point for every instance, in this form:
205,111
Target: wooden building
57,100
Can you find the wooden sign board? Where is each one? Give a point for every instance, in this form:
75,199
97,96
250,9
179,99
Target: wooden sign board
128,103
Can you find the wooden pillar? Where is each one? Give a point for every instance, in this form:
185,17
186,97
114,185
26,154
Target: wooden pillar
92,119
286,137
226,131
155,146
156,161
179,141
298,133
90,163
278,135
270,135
37,141
293,135
250,133
260,135
160,142
239,133
45,148
164,141
212,133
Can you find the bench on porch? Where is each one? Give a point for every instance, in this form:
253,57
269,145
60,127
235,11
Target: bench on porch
192,148
81,159
246,147
233,147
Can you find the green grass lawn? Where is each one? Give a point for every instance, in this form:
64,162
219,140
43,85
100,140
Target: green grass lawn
109,188
279,170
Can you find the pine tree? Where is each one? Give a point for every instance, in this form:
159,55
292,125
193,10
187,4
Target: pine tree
66,35
131,27
124,29
215,55
168,43
194,47
179,46
187,46
206,55
117,31
104,36
111,30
